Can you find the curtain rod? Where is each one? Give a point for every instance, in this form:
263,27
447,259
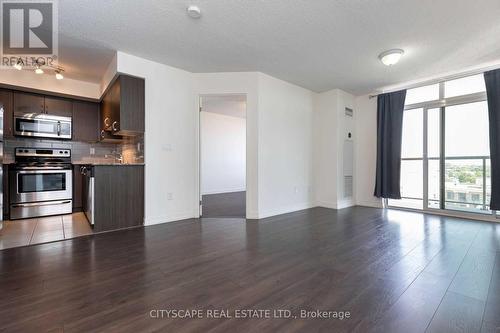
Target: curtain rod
441,79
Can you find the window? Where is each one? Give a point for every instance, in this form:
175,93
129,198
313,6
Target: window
422,94
466,152
445,160
411,161
464,86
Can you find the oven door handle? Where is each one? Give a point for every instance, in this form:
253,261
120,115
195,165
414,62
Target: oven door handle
58,128
51,203
31,169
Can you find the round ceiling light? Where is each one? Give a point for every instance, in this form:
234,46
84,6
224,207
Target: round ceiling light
194,12
391,57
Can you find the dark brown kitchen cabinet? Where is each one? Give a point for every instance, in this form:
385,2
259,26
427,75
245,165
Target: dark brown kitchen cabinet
5,180
122,107
34,103
77,188
8,113
28,103
58,106
118,203
107,108
85,121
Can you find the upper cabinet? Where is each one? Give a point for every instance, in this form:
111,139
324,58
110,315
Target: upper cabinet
85,121
33,103
28,103
120,112
122,107
58,106
6,104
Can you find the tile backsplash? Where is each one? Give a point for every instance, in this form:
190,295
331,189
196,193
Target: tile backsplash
132,149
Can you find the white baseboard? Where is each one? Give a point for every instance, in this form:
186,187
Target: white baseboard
345,203
335,205
325,204
370,203
168,218
284,210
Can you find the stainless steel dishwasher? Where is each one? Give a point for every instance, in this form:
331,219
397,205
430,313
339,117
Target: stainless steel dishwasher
88,193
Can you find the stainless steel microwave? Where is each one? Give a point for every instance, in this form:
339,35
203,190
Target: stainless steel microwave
42,126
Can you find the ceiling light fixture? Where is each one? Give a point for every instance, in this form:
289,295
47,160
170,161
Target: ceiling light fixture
194,12
59,75
38,69
19,64
391,57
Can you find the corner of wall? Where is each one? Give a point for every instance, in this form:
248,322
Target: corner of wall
110,73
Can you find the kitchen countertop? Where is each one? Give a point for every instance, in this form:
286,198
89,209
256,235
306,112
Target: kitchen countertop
112,164
95,164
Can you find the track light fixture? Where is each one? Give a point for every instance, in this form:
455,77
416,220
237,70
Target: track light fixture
19,65
38,69
59,75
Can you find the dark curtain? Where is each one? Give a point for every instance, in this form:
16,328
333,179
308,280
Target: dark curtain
390,109
492,79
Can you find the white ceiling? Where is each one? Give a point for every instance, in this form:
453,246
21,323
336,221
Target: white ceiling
233,105
319,44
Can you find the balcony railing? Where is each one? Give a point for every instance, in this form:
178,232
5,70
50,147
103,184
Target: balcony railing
481,161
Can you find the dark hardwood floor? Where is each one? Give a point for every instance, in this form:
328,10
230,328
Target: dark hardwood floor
231,204
393,271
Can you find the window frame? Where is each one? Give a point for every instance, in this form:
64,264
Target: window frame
441,104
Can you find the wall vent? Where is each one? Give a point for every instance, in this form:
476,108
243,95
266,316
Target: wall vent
348,187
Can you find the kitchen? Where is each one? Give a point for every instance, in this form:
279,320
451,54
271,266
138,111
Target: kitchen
72,166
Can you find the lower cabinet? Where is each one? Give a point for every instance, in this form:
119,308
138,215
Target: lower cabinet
77,188
5,180
118,196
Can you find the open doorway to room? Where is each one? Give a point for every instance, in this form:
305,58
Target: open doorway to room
223,155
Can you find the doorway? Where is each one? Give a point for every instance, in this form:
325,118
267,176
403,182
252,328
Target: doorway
223,155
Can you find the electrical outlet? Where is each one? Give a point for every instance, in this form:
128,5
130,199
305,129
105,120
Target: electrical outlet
296,189
170,196
166,147
92,151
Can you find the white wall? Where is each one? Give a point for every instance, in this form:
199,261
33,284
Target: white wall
325,148
330,132
223,150
170,139
109,75
365,120
48,82
237,83
285,147
279,139
345,100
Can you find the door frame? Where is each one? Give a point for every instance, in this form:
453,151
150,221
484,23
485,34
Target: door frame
199,155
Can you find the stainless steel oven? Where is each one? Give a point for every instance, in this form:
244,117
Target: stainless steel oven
41,183
42,125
